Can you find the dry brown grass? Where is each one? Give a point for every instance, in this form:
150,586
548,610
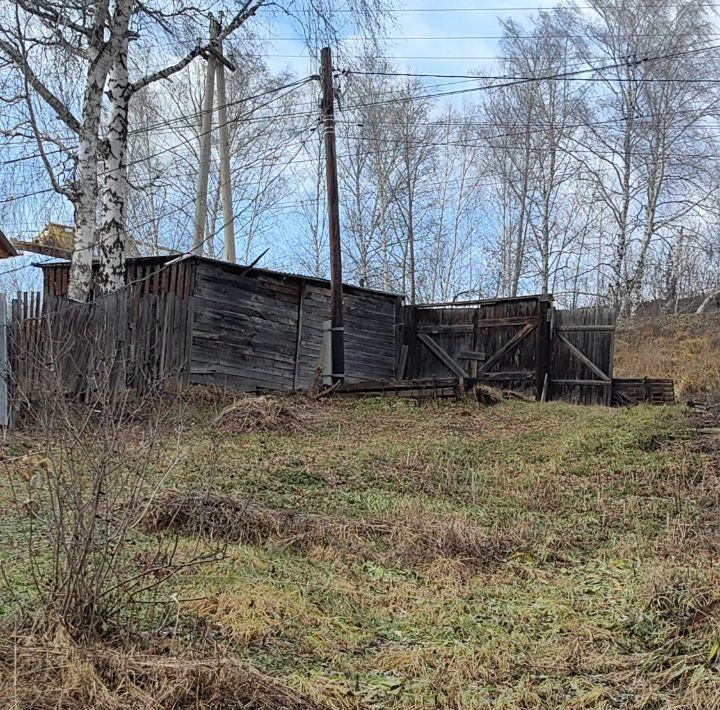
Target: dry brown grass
41,674
684,348
227,518
249,413
416,539
443,556
421,541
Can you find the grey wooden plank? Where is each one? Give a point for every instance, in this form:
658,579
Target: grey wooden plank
4,363
471,355
583,358
509,347
443,356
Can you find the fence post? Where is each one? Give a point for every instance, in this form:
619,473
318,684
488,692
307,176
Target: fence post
4,363
542,353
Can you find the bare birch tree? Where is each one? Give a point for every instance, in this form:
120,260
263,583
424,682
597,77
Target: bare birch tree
645,130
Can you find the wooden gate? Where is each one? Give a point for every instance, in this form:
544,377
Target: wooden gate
503,342
522,344
582,349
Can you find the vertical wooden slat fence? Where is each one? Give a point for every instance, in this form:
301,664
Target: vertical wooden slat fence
4,363
582,350
501,342
190,320
117,343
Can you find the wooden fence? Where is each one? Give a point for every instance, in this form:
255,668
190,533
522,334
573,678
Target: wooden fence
119,342
582,349
234,333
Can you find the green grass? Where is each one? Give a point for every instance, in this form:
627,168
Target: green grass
606,594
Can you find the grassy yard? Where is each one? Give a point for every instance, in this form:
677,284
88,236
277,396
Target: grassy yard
440,556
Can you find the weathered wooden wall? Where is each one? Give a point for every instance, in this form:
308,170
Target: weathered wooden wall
259,329
121,341
265,330
152,274
206,322
635,391
256,328
582,352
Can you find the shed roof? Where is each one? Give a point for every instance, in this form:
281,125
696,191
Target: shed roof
6,247
237,268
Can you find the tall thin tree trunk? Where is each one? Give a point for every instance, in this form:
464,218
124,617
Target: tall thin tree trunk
619,286
522,226
80,280
113,236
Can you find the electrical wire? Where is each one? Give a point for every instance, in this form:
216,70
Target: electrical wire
188,204
154,127
566,75
550,77
170,149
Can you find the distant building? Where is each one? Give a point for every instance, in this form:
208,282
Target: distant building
7,250
684,306
53,240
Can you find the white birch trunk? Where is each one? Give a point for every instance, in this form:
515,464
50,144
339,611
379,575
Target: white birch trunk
113,236
80,281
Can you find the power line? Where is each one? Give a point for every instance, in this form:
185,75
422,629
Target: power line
533,8
486,77
442,38
560,75
187,141
191,202
484,142
508,82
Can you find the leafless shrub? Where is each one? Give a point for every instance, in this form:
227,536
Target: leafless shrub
81,492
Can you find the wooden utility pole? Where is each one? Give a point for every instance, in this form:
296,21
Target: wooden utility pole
225,181
205,145
337,330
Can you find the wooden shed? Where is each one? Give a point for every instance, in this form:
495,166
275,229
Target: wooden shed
234,326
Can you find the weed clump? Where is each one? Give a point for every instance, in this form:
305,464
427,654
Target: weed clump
263,413
422,541
56,673
412,541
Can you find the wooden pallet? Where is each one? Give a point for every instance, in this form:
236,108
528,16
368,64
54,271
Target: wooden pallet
627,392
